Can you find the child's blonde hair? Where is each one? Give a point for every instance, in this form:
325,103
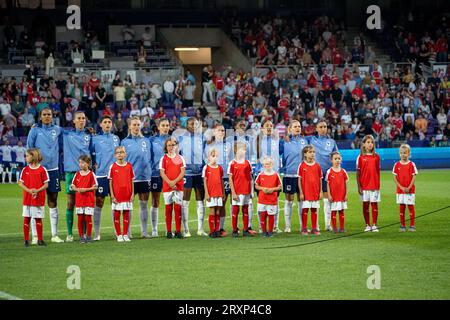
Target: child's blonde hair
266,159
119,148
367,137
213,150
36,155
306,149
405,146
239,145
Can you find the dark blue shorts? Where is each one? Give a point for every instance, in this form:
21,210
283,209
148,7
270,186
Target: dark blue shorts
290,185
54,185
324,185
193,182
20,165
156,184
142,187
6,165
226,186
103,187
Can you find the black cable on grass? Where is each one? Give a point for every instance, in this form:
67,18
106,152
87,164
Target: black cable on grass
353,234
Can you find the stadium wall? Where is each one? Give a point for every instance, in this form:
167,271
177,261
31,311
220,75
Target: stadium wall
424,158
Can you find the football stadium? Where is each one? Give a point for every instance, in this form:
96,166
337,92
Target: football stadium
224,150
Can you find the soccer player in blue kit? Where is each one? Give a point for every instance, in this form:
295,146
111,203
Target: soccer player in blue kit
138,154
324,146
156,153
48,139
102,151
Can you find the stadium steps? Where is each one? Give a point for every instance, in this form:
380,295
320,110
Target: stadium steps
380,55
212,108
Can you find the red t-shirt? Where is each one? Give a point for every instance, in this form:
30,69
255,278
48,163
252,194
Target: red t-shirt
172,169
93,84
378,127
405,173
218,83
311,176
337,182
34,179
85,199
122,177
213,180
241,173
268,181
369,166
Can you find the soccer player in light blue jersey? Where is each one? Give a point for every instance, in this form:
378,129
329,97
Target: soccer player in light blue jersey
192,143
268,145
224,147
138,154
76,143
102,151
156,153
291,155
324,146
48,139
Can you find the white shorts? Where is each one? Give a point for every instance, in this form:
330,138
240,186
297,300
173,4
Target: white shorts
122,206
408,199
173,197
85,210
338,205
33,212
371,196
242,200
311,204
270,209
214,202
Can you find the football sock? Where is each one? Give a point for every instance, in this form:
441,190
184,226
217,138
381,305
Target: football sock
169,217
250,213
3,177
88,220
305,218
333,219
245,217
222,223
412,215
185,216
126,222
154,213
217,222
300,205
200,214
97,216
276,216
366,212
341,219
374,212
314,218
402,214
287,213
211,220
54,221
143,213
117,222
33,228
80,225
26,228
271,222
177,209
69,221
263,221
327,212
234,217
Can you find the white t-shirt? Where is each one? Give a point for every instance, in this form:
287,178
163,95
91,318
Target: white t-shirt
5,108
20,153
169,86
6,153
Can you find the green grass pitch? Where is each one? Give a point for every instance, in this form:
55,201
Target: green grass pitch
412,265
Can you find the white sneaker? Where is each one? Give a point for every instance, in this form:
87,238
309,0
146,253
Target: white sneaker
145,236
97,238
57,239
287,229
155,234
69,238
34,240
202,233
126,238
120,238
277,230
328,228
375,229
187,234
260,231
368,228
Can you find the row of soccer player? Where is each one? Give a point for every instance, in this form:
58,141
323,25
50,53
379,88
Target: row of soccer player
143,154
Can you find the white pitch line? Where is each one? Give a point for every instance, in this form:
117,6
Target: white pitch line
7,296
